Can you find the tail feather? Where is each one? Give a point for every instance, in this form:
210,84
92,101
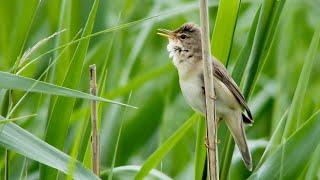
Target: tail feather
246,119
235,125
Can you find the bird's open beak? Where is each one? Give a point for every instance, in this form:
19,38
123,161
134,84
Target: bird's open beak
166,33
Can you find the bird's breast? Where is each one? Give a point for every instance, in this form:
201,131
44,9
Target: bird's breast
192,91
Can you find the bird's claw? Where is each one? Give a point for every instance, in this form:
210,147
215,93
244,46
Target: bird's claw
206,143
213,97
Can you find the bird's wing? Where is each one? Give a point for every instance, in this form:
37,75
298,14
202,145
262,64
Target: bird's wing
222,74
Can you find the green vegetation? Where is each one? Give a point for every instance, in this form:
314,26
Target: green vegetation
271,48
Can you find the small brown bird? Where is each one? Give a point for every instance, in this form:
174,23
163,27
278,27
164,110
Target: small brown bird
185,49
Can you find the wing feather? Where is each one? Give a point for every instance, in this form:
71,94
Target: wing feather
222,74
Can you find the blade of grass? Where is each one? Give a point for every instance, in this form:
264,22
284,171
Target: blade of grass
275,139
3,121
17,42
126,70
7,152
11,81
24,171
139,42
224,28
200,150
63,107
18,36
18,62
262,28
268,21
305,140
154,174
156,157
12,110
261,99
221,41
24,67
237,75
117,142
15,107
86,37
159,17
103,78
294,119
63,56
40,43
284,50
75,150
139,81
19,140
242,60
314,168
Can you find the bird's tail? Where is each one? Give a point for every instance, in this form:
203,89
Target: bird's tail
235,125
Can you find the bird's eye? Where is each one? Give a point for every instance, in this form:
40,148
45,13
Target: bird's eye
183,36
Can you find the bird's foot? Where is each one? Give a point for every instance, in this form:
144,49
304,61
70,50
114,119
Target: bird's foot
206,143
213,97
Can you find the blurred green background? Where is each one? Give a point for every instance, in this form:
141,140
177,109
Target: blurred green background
137,71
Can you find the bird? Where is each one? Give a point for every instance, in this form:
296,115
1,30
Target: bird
185,49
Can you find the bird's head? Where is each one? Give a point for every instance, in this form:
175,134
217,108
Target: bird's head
184,42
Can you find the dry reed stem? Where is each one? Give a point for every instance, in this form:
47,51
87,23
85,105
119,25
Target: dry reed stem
94,120
209,89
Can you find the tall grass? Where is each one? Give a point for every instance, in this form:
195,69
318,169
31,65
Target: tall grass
270,46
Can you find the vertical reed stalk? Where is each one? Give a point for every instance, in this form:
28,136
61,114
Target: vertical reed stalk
94,116
210,94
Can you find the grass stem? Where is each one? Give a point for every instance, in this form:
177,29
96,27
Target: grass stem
94,117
